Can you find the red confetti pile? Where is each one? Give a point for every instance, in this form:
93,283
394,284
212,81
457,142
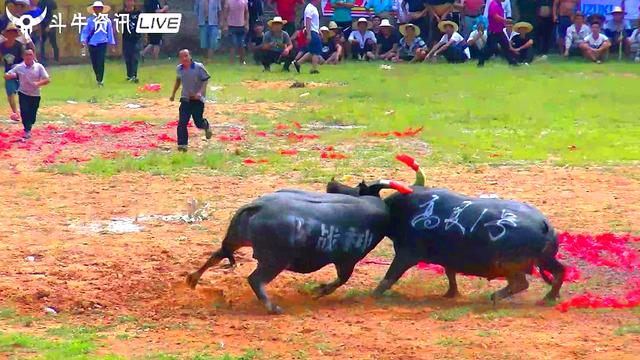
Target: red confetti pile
250,161
406,133
431,267
607,249
289,152
300,137
332,155
591,301
150,87
282,126
571,274
261,134
167,138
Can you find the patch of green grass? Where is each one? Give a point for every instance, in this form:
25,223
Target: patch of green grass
487,333
355,293
307,287
453,314
126,319
29,194
497,314
628,329
72,346
449,342
300,354
7,313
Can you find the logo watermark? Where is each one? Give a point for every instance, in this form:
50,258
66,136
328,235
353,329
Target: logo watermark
167,23
26,22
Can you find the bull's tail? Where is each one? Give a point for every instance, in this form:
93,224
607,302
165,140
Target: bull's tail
232,241
548,262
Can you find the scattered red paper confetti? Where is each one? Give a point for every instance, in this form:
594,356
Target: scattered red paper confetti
431,267
261,134
289,152
282,126
250,161
167,138
226,138
406,133
300,137
572,274
607,249
332,155
591,301
297,125
150,87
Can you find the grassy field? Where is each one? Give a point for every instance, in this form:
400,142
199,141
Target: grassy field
564,113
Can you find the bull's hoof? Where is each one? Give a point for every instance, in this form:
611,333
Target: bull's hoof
451,294
274,309
377,294
320,291
192,280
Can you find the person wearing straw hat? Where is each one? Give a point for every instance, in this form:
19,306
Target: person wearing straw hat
477,40
31,76
521,44
575,36
387,40
452,45
330,49
286,9
96,35
618,30
338,37
596,46
362,40
411,47
276,45
11,50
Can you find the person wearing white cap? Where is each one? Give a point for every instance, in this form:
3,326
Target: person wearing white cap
387,41
363,41
97,34
330,49
618,30
276,46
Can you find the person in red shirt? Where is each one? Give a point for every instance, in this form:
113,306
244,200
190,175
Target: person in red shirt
286,9
496,35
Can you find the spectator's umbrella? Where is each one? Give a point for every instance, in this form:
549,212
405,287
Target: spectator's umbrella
443,24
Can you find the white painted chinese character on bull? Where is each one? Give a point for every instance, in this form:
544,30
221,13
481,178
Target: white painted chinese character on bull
329,236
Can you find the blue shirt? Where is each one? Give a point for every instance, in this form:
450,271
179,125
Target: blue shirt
193,79
96,34
380,6
341,14
214,7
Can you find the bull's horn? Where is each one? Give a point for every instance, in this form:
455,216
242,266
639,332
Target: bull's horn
412,163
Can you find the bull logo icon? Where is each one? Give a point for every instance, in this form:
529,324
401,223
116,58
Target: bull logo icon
26,22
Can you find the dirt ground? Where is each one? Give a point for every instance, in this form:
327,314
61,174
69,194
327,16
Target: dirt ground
52,256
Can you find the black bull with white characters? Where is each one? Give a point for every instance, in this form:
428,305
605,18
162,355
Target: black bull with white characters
303,232
485,237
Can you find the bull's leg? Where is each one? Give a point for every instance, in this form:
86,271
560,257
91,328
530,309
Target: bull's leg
344,273
453,284
261,276
399,266
558,270
216,257
515,283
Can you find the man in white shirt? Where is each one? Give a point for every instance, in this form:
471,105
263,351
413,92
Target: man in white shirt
362,41
506,5
451,45
595,46
576,33
477,40
312,31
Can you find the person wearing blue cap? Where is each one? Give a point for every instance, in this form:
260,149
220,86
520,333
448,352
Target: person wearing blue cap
477,40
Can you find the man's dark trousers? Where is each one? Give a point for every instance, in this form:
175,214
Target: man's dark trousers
28,109
493,39
189,109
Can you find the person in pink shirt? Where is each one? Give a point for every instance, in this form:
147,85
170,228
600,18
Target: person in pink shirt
496,35
235,25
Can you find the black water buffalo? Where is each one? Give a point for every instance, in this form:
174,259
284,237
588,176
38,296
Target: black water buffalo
302,232
484,237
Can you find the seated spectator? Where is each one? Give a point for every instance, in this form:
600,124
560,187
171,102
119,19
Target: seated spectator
255,40
387,40
276,46
477,41
575,36
508,30
452,45
618,31
330,50
635,44
338,37
299,43
411,47
375,24
596,46
439,10
522,45
363,41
